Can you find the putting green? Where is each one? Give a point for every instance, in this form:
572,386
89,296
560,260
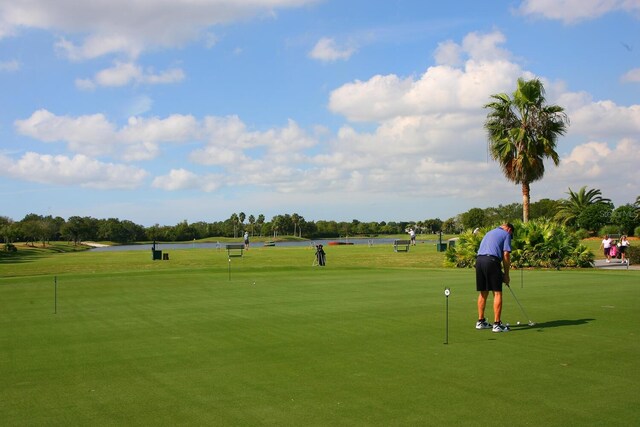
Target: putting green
359,342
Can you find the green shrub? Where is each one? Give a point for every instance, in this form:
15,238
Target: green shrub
610,229
582,234
636,232
538,243
633,254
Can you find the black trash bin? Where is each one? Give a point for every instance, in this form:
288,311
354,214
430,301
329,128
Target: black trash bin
156,255
441,247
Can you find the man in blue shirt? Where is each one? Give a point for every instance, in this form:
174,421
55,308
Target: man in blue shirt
495,249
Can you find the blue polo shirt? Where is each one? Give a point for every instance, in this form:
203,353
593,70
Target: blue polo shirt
495,242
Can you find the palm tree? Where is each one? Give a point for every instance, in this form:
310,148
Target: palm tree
252,221
522,131
570,209
295,218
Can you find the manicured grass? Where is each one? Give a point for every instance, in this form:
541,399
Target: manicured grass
193,340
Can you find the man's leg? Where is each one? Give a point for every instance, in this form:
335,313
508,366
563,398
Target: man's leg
497,306
482,303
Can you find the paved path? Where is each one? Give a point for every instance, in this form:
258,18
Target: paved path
615,265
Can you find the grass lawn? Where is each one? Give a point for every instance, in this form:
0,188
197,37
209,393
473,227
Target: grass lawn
268,339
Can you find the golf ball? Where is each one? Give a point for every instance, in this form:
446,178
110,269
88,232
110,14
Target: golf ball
518,323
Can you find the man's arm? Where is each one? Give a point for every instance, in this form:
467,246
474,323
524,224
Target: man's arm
506,264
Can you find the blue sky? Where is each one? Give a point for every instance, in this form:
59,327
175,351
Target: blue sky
159,111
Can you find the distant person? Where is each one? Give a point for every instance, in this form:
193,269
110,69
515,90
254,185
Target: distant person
623,244
606,247
412,236
246,240
494,253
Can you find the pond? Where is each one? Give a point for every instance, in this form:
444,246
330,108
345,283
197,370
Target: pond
220,245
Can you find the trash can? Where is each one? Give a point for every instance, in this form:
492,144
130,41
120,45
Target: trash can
165,256
156,255
441,247
452,242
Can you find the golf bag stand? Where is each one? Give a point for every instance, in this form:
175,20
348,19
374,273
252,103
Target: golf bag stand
320,256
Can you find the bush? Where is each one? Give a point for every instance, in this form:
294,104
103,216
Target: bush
610,229
636,232
582,234
10,247
538,243
633,254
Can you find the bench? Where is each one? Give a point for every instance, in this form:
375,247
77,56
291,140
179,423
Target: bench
401,245
234,249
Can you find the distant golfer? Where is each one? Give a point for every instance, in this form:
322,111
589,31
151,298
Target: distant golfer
495,249
412,236
246,240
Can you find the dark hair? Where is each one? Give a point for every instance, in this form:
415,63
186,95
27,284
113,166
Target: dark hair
513,229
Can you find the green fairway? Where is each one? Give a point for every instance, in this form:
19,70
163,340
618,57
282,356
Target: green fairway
268,339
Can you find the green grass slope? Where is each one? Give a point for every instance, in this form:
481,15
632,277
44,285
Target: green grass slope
268,339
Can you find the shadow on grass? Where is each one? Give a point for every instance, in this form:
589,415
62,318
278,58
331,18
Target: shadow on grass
555,323
31,253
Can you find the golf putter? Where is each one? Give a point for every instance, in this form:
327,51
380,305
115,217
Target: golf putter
521,308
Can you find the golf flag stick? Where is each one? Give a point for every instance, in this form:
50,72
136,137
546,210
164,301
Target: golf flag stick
447,292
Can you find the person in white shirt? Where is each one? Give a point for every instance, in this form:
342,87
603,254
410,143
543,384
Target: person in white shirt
606,246
622,246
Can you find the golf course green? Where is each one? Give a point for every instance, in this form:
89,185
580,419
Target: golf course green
115,338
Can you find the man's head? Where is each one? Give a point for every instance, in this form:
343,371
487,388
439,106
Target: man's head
508,227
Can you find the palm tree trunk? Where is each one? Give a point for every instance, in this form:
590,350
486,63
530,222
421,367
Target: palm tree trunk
525,201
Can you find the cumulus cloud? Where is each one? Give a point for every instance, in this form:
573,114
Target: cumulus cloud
124,73
424,137
92,135
182,179
70,171
605,119
92,29
573,11
442,88
327,50
632,76
95,135
611,167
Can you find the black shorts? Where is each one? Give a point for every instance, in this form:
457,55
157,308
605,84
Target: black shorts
488,273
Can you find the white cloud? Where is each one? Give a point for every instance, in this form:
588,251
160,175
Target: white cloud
70,171
441,89
124,73
182,179
573,11
611,167
426,141
9,66
92,135
632,76
327,50
95,135
128,26
605,119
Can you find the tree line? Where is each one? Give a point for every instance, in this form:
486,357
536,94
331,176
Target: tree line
585,211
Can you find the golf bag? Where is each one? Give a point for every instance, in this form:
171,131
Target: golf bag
613,251
320,256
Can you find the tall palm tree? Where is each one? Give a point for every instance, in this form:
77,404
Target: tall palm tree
522,132
569,209
295,218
